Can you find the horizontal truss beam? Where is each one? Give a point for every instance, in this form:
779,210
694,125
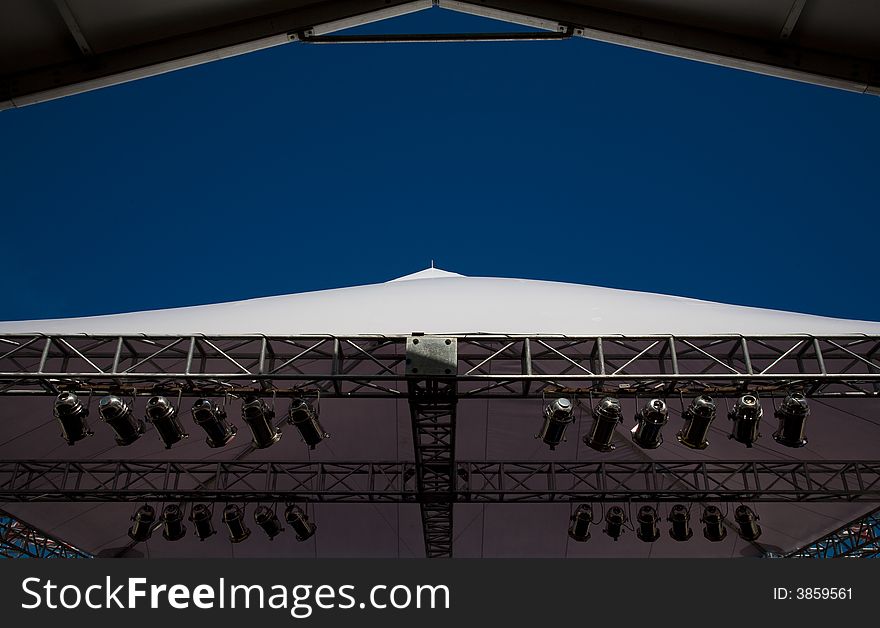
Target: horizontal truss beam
720,481
488,366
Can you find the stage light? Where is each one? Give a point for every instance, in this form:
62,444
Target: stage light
71,415
557,417
648,530
201,518
698,417
266,518
606,415
143,518
163,415
680,519
792,415
615,518
651,419
212,418
302,415
260,418
746,415
118,415
300,523
713,524
747,521
581,520
233,517
172,522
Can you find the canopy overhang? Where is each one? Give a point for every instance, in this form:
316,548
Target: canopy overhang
55,48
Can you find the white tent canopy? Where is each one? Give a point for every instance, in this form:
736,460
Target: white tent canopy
434,301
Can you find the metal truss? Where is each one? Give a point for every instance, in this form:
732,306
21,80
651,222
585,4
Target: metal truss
21,540
509,482
857,539
487,365
432,406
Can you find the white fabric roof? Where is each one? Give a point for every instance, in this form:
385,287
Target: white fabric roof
439,302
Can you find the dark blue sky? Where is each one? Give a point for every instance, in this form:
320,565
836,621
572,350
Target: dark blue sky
309,167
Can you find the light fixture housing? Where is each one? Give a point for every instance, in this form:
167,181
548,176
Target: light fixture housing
299,521
233,517
615,519
119,416
558,415
680,519
792,416
142,528
747,521
713,524
304,417
201,518
164,417
260,418
172,523
266,518
650,421
606,415
72,417
697,419
746,416
581,520
211,417
647,529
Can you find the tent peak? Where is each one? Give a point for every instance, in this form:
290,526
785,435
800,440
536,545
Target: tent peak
428,273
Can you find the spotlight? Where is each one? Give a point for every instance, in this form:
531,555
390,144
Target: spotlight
680,519
259,418
172,520
651,420
792,415
163,415
713,524
746,416
698,417
233,517
300,523
648,531
212,418
606,415
118,415
201,518
557,417
267,519
581,520
747,521
305,418
71,415
142,528
614,520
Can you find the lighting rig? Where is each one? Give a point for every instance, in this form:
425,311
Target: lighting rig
173,529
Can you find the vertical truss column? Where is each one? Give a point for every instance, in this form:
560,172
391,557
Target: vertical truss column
431,365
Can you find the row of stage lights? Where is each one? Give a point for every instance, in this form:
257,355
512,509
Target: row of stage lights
119,415
647,523
745,416
173,528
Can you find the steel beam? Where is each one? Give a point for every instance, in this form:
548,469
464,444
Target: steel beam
780,58
21,540
857,539
487,366
476,482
